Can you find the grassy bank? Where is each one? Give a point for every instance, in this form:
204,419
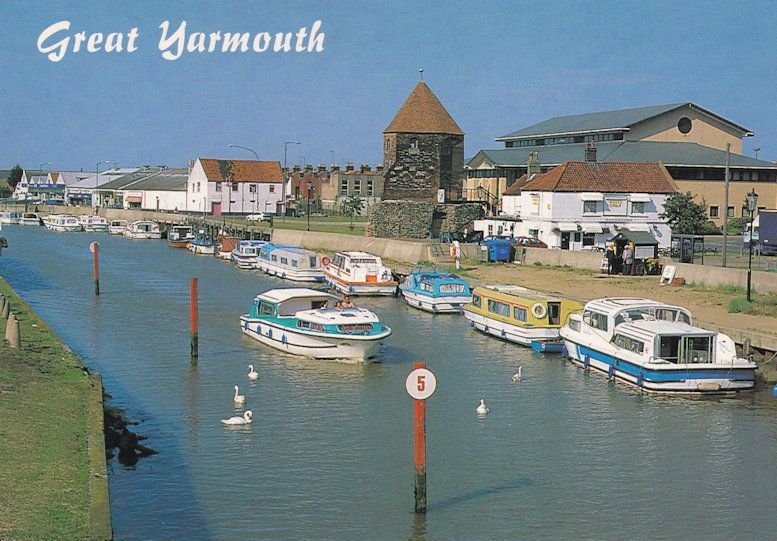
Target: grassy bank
46,402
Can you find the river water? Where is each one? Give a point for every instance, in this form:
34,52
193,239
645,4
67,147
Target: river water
563,454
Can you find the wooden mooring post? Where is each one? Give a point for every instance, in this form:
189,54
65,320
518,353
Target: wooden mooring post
420,384
94,247
193,317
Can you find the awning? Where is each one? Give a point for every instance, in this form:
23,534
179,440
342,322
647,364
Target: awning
134,199
638,227
639,198
592,227
591,196
566,227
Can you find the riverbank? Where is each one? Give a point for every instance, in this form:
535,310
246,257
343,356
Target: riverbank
53,479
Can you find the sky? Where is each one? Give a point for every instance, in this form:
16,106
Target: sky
496,66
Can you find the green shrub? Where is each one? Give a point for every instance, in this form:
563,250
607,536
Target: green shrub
739,304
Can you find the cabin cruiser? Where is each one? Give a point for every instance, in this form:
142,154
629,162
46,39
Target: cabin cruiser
246,253
291,263
359,273
655,347
10,217
62,222
434,291
143,229
202,245
30,218
304,322
180,236
117,227
93,223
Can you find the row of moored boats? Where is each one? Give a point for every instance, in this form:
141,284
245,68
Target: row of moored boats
63,223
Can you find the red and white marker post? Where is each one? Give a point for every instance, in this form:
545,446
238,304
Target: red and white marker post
94,247
420,384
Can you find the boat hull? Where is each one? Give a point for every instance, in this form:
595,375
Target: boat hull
296,275
307,345
663,378
361,288
200,249
512,333
438,305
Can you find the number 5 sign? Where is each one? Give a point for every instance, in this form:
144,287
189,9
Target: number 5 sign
420,384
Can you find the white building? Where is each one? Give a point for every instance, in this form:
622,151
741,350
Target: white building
218,186
580,205
85,188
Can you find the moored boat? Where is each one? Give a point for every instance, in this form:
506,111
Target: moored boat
62,223
202,245
301,321
359,273
291,263
655,347
93,223
225,246
246,253
518,314
180,236
117,227
434,291
30,218
143,229
10,217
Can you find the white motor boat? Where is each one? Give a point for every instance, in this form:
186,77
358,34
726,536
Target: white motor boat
291,263
62,222
117,227
93,223
143,229
30,218
359,273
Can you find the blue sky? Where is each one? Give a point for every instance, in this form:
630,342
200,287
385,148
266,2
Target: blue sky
496,66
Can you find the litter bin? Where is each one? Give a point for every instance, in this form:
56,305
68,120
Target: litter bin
500,249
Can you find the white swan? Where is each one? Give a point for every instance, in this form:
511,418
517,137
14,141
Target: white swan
245,419
239,398
252,374
517,375
482,409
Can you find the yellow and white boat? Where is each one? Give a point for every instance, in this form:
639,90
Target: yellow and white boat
519,315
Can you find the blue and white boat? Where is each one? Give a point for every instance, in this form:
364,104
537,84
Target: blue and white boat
302,321
246,253
291,263
655,347
202,245
434,291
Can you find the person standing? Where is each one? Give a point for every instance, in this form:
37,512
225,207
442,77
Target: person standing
628,259
610,255
456,253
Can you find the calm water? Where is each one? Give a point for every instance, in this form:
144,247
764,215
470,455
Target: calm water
562,455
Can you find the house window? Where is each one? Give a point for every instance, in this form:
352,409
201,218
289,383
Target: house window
714,211
589,207
638,207
730,212
252,188
218,186
414,143
234,186
198,187
272,188
370,188
357,185
344,186
589,239
534,233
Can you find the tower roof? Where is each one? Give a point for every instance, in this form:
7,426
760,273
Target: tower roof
422,112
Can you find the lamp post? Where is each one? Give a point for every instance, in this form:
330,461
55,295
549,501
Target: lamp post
246,148
752,202
283,180
310,187
97,184
756,149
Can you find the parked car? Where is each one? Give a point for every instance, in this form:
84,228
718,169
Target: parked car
258,217
530,242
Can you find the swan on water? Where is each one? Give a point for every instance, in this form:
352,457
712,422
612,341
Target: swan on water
517,375
252,374
482,409
244,419
239,398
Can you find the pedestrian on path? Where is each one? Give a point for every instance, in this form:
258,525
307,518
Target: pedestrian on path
628,259
456,253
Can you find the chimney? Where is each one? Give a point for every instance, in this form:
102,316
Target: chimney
335,167
533,164
191,164
365,167
590,152
379,168
321,168
309,167
349,166
297,168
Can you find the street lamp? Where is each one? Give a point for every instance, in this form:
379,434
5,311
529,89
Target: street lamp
283,180
752,204
310,187
97,183
246,148
756,149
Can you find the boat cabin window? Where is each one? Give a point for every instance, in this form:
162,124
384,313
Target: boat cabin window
294,263
274,257
360,328
284,261
669,348
307,325
451,288
337,261
519,313
499,308
266,309
426,286
697,349
630,315
628,343
364,261
554,313
313,262
476,301
595,320
315,305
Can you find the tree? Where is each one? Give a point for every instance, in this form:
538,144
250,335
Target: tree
684,215
16,176
353,205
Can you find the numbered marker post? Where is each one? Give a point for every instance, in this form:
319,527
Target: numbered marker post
94,247
194,317
420,384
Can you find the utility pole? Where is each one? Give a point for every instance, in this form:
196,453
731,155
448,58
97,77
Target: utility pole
725,202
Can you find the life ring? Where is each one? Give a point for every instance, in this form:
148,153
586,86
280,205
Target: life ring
325,261
539,311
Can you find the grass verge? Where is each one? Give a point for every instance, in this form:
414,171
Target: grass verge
44,419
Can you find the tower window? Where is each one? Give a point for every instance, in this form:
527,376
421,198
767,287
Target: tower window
414,143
